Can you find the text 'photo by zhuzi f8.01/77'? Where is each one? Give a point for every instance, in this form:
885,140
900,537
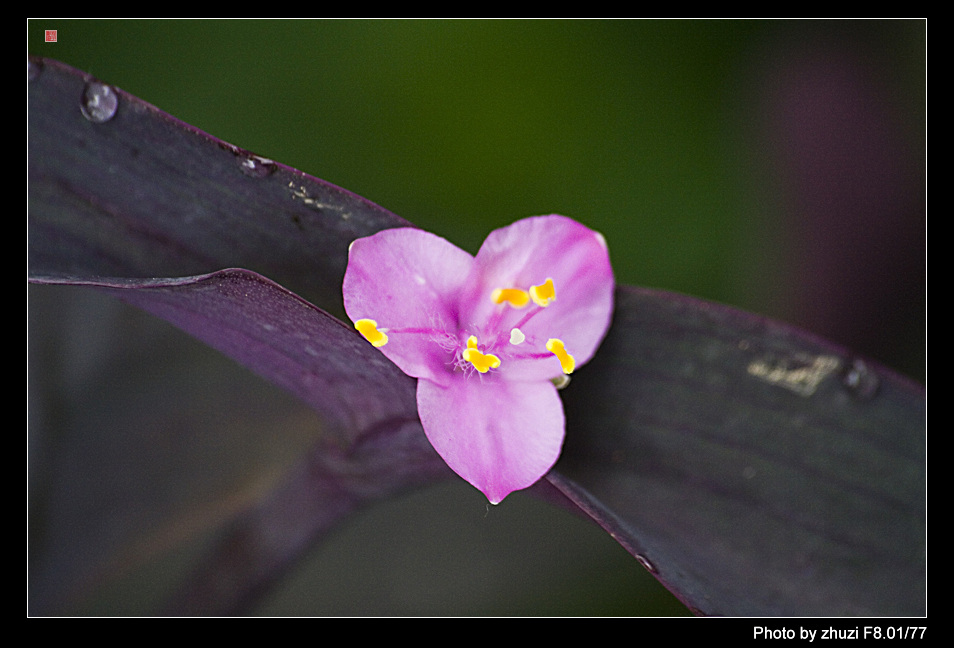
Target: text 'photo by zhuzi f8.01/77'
493,318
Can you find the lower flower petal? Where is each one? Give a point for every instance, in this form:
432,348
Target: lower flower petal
500,436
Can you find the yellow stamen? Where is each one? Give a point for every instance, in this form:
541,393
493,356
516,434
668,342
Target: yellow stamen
513,296
369,329
482,363
543,295
557,348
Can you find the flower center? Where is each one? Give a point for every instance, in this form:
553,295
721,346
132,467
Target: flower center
483,361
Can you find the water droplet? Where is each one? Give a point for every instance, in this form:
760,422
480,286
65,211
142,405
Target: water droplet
99,102
256,167
861,380
33,69
644,561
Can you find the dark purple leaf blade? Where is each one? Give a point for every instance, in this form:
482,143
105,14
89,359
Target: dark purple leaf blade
758,470
283,339
145,195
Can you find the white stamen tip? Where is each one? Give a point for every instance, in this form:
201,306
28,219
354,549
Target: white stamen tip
517,336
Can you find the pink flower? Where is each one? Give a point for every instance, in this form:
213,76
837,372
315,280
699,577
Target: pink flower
486,336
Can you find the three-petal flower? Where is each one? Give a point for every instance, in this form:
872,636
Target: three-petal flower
486,336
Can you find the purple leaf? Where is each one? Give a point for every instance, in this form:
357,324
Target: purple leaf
144,195
756,470
282,338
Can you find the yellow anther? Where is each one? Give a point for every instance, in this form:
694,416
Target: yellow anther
482,362
513,296
557,348
369,329
544,294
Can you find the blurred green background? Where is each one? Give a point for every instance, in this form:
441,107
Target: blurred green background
777,166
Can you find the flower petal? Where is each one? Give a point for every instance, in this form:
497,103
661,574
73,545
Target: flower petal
528,253
499,435
409,279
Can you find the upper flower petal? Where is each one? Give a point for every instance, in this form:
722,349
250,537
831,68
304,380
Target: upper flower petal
408,279
501,436
527,254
